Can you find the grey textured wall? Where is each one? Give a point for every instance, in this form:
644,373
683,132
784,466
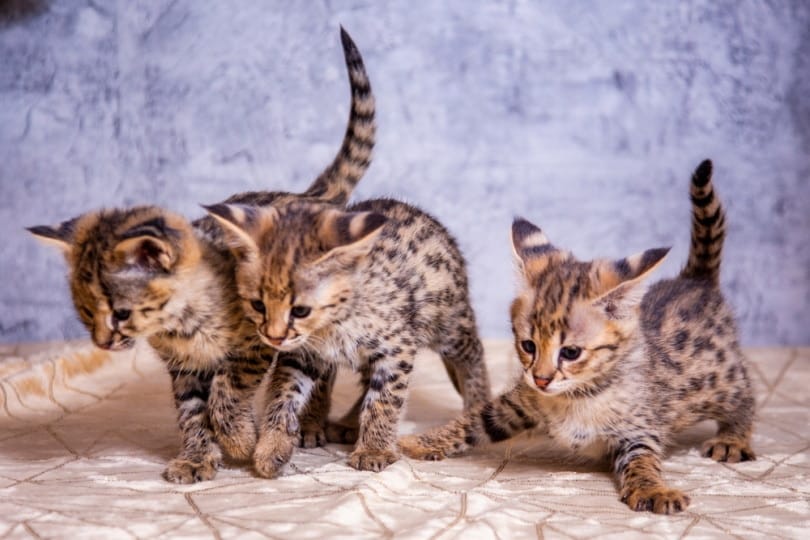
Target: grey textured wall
586,117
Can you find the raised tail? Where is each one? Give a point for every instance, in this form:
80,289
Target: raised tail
708,227
336,183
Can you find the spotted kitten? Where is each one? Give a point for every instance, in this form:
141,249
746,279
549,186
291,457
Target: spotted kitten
146,272
368,287
613,371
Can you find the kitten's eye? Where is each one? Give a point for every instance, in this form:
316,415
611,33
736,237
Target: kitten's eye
258,305
528,346
570,353
300,312
121,315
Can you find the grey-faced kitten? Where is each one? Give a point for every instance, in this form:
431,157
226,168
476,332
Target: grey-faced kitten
367,287
148,273
613,371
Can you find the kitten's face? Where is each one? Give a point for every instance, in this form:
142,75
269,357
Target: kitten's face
296,266
571,317
121,269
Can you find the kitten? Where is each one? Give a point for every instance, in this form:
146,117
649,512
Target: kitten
368,287
612,371
146,272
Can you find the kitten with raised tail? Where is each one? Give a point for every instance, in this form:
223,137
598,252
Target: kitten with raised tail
614,369
367,287
148,273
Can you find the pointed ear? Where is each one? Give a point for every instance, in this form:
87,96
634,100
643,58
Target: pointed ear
60,236
348,233
243,224
529,244
620,284
146,252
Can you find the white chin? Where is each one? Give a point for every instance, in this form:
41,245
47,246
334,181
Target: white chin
287,345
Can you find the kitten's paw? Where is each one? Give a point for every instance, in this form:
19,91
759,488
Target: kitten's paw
312,436
341,434
184,471
728,449
273,451
372,460
239,445
411,446
660,500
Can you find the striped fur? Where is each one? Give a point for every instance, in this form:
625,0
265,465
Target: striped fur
339,179
708,227
147,273
613,368
367,287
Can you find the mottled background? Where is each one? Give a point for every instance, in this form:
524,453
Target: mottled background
586,117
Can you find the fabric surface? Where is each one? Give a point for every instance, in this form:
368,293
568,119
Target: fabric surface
85,435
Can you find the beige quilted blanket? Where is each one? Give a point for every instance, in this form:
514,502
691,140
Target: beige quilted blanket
84,436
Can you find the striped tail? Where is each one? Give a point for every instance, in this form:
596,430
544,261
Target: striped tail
708,227
336,183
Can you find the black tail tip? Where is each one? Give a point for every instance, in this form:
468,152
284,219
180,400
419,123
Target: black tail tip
346,40
703,173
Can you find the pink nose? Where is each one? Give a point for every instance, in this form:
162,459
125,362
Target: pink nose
275,340
541,382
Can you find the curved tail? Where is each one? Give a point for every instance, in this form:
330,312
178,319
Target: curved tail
708,227
336,183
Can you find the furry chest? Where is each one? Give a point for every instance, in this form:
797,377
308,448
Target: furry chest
580,430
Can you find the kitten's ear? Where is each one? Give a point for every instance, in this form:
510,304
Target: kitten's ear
242,224
60,236
530,245
620,284
348,233
148,246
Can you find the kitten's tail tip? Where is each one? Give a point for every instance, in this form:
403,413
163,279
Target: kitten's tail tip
346,40
703,173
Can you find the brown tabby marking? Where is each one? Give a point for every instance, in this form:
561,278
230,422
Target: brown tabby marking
610,369
145,272
368,287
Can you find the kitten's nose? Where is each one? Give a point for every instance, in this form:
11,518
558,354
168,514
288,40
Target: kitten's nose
541,382
275,341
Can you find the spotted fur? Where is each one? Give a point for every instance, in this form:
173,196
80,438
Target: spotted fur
367,287
147,273
612,369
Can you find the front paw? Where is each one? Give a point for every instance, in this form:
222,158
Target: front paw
311,436
413,447
273,451
372,460
728,449
240,443
184,471
660,500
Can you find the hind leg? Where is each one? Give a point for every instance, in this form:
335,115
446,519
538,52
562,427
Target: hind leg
735,418
728,447
463,356
316,413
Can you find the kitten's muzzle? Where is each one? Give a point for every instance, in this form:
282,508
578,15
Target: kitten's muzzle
116,345
542,382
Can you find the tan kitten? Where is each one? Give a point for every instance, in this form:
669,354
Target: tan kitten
148,273
613,371
368,288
